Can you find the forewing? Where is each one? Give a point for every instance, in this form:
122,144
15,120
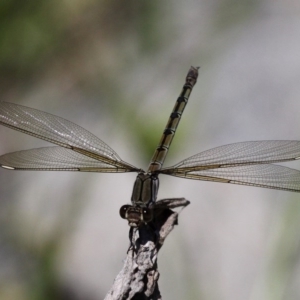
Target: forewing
55,159
58,131
268,176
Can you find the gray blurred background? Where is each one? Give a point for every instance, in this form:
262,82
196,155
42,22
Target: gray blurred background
116,69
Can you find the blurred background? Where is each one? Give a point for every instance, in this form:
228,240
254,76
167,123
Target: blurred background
116,69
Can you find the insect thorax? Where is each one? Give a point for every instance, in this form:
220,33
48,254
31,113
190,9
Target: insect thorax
145,189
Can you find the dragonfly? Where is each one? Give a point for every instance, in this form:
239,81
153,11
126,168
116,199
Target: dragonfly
244,163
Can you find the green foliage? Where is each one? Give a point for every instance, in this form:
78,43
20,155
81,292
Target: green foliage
28,31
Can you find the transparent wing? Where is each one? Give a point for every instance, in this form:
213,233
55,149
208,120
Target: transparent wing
59,131
55,159
268,176
245,153
247,163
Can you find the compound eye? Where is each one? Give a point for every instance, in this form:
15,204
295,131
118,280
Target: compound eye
147,215
123,211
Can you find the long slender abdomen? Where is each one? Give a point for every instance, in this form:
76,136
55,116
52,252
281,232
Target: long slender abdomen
169,132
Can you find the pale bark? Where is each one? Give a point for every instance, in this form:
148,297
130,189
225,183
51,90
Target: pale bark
139,276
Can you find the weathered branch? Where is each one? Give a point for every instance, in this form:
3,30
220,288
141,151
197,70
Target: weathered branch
138,279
